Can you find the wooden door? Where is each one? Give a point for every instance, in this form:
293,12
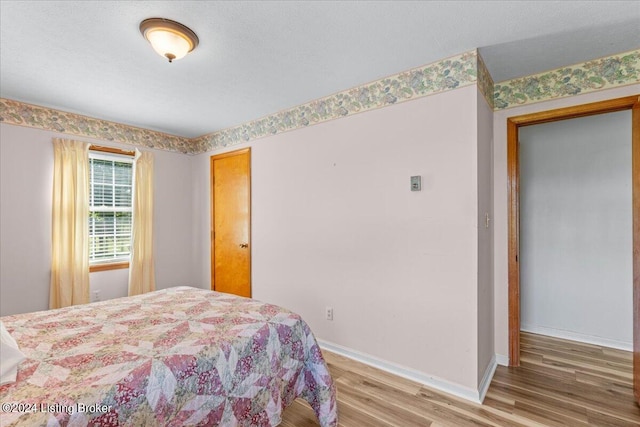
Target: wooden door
231,222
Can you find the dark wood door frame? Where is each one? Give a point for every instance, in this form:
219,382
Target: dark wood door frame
513,182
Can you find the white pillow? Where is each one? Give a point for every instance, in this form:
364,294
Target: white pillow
10,357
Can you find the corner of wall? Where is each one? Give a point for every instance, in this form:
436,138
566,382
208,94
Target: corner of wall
485,82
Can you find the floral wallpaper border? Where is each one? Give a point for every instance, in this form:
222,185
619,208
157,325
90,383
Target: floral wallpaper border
22,114
485,82
448,74
604,73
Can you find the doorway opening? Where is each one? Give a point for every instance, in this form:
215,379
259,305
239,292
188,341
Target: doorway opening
513,179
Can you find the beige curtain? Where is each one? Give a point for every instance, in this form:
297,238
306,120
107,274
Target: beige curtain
141,267
70,224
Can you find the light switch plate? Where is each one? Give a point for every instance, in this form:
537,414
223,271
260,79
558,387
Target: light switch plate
416,183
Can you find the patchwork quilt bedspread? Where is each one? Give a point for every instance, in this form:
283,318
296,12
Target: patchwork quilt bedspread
176,357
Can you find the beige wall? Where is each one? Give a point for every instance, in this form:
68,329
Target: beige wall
26,180
335,224
485,240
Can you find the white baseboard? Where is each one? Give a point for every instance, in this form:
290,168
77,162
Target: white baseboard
502,360
486,378
575,336
440,384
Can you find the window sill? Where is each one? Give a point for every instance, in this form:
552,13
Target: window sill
109,266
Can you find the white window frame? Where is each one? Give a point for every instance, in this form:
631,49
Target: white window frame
118,261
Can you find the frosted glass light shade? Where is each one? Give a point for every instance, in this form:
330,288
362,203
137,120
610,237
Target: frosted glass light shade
168,43
169,39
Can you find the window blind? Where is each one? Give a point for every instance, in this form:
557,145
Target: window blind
110,209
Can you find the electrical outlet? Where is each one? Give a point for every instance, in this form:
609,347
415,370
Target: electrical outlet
96,296
329,313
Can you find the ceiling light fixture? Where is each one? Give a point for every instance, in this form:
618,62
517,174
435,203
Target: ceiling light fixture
170,39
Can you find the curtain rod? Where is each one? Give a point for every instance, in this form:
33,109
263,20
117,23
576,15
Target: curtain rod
111,150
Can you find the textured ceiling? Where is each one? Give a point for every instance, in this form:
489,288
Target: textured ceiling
256,58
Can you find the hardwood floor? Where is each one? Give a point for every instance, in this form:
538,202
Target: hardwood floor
560,383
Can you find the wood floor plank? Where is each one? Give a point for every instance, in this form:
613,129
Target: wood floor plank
429,405
299,414
391,380
525,399
605,383
618,354
574,348
474,412
570,393
598,419
560,383
558,372
592,360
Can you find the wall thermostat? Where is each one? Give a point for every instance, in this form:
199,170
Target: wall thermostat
416,183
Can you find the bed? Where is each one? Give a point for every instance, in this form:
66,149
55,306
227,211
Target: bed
175,357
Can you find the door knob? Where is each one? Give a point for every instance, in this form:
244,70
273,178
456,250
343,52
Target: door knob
244,245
